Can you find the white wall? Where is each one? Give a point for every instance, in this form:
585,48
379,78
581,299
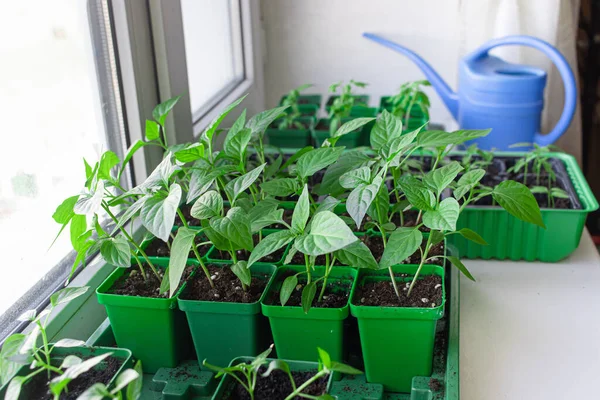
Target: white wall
320,42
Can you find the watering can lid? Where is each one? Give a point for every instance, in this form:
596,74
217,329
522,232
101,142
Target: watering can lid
492,74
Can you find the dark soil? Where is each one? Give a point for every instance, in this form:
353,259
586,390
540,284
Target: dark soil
287,217
245,254
228,288
410,219
336,294
132,283
307,101
277,386
158,248
185,210
375,244
426,293
37,387
435,384
298,259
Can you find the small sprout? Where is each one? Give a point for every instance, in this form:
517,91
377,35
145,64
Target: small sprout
425,300
439,285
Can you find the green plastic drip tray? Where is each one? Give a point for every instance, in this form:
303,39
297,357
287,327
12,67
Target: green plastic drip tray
188,382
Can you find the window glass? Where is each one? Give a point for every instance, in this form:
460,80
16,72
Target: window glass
212,33
51,118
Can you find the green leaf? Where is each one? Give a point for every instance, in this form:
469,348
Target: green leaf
357,255
77,229
517,199
10,348
97,391
152,130
556,192
67,294
324,358
280,187
89,203
209,205
264,210
344,369
179,254
200,182
162,110
472,236
69,343
277,365
461,267
14,388
273,167
235,144
130,212
301,212
134,389
308,295
440,178
360,199
270,244
471,178
159,177
58,384
240,269
328,204
191,153
315,160
379,208
235,227
346,162
436,237
261,121
287,288
296,156
130,153
209,132
351,126
393,150
64,212
386,128
328,233
355,177
416,193
236,186
402,243
445,217
107,162
115,251
443,139
158,212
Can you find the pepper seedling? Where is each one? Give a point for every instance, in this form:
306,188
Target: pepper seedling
552,193
325,234
410,95
342,104
21,349
290,120
246,374
130,380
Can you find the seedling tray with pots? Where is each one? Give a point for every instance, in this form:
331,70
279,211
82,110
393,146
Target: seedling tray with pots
188,381
510,238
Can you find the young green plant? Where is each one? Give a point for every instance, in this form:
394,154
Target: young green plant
130,381
290,120
342,104
411,94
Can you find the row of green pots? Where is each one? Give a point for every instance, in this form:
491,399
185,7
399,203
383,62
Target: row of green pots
298,138
157,332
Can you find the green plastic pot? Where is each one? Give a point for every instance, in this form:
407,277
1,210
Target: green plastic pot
397,342
349,140
417,117
291,138
222,331
59,353
513,239
296,334
226,385
154,329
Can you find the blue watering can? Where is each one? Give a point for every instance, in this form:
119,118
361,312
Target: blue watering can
493,93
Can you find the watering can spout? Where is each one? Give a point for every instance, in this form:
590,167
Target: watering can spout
449,97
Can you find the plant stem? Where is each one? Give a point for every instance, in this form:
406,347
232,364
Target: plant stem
327,272
195,250
306,384
423,258
133,242
308,277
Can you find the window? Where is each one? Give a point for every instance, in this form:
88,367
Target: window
59,99
213,50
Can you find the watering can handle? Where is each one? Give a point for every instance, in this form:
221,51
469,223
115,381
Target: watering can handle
563,68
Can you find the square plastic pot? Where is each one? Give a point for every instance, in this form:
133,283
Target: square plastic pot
222,331
226,385
513,239
154,329
397,342
296,334
59,353
291,138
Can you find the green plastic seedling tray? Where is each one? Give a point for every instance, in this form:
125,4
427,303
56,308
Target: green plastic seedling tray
188,382
152,328
291,138
240,326
59,353
510,238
